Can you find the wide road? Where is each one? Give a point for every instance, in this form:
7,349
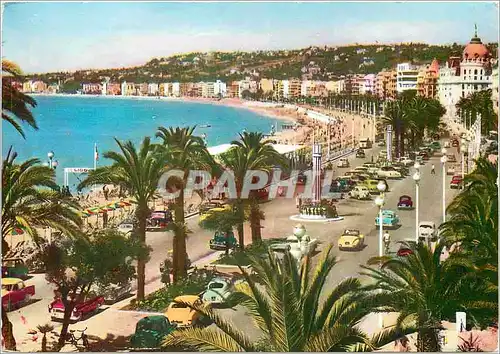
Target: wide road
357,214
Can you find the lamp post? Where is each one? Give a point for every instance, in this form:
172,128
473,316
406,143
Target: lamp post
379,201
416,178
463,147
353,143
444,159
50,156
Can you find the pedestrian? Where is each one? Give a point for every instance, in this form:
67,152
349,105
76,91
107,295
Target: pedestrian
105,192
433,170
297,202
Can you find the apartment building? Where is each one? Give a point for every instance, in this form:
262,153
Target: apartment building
28,86
87,88
494,89
53,88
153,89
368,84
207,89
176,89
220,89
305,88
113,89
243,85
354,84
142,89
278,89
406,77
233,89
186,88
163,89
128,89
427,80
294,87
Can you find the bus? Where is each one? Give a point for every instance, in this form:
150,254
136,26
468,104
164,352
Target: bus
365,143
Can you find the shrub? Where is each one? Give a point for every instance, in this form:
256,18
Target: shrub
242,258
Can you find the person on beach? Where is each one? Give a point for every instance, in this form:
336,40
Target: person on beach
105,191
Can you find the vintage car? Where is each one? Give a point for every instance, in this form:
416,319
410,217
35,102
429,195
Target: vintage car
343,163
435,145
15,293
405,202
126,228
381,143
399,167
14,268
404,251
371,184
406,161
360,154
181,314
150,332
389,219
388,172
81,310
455,143
215,210
426,231
351,239
159,220
451,158
360,192
218,290
451,170
218,242
346,182
361,169
456,182
447,144
207,206
419,159
261,194
112,292
424,154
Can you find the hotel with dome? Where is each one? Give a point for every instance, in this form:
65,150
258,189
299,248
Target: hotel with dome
465,75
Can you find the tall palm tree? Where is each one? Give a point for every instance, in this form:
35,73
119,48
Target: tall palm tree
30,199
185,152
15,104
479,103
422,289
292,308
139,172
250,153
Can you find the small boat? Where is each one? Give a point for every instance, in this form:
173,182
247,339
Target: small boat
205,126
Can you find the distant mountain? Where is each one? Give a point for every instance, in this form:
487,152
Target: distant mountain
316,63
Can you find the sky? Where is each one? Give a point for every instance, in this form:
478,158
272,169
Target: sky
67,36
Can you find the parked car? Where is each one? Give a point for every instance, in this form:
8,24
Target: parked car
360,154
81,310
455,143
351,239
419,159
150,332
426,231
360,192
404,251
218,290
361,169
436,145
388,172
389,219
218,242
381,143
405,202
406,161
456,182
424,155
446,144
343,163
451,170
181,314
207,206
371,184
215,210
15,293
126,228
451,158
14,268
159,220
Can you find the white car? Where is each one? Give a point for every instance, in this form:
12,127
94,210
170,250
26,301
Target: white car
361,169
388,172
406,161
426,231
360,192
451,170
343,163
126,228
112,292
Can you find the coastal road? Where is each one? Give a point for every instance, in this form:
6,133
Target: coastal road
357,214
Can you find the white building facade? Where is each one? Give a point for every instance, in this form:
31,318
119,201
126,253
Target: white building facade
406,78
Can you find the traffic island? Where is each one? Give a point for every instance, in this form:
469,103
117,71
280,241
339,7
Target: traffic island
323,211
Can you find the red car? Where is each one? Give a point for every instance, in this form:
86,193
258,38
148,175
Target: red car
15,293
261,194
405,202
403,252
56,308
456,182
424,155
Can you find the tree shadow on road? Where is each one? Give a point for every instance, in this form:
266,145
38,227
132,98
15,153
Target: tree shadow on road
111,343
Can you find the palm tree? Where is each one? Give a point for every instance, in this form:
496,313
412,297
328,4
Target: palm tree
394,116
479,103
184,152
138,172
293,310
250,153
422,289
223,221
15,104
44,329
30,199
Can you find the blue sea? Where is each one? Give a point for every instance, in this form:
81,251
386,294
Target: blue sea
69,126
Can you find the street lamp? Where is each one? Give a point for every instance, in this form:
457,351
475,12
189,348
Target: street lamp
50,156
444,159
416,166
463,147
379,201
416,178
